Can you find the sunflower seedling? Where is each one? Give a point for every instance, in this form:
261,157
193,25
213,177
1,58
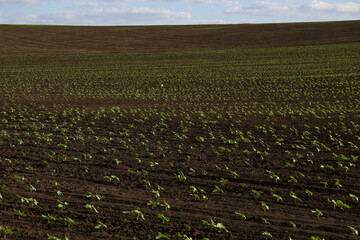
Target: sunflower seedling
181,176
30,201
101,226
212,225
308,192
292,224
353,231
163,218
21,214
135,214
161,236
318,212
337,183
316,238
117,161
112,178
278,197
273,176
153,164
166,205
32,188
223,181
267,235
354,197
255,193
147,183
217,190
293,180
62,205
4,231
240,215
236,175
91,208
95,196
55,238
155,192
49,217
293,195
265,221
153,204
184,236
265,206
338,203
67,221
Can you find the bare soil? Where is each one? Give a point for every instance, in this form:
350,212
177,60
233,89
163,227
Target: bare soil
135,153
91,155
43,39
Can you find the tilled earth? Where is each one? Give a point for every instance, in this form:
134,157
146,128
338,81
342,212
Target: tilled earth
258,176
240,144
49,40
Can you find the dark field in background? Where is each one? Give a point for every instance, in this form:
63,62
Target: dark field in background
28,39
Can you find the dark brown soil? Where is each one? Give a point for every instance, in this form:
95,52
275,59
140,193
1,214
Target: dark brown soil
29,39
146,154
278,141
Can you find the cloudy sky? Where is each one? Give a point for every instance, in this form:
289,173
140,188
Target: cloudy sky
154,12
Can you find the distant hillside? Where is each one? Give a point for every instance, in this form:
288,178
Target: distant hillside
39,39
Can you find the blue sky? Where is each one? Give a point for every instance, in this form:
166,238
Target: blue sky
155,12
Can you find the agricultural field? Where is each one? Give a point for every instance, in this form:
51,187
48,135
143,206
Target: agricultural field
252,143
50,40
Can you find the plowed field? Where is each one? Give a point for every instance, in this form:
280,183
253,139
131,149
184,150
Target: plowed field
218,144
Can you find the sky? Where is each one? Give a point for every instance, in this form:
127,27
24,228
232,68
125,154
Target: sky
170,12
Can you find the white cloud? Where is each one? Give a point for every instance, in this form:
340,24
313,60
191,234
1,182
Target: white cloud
339,7
261,8
110,16
159,13
21,2
310,11
193,1
223,2
172,1
86,4
119,3
221,21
